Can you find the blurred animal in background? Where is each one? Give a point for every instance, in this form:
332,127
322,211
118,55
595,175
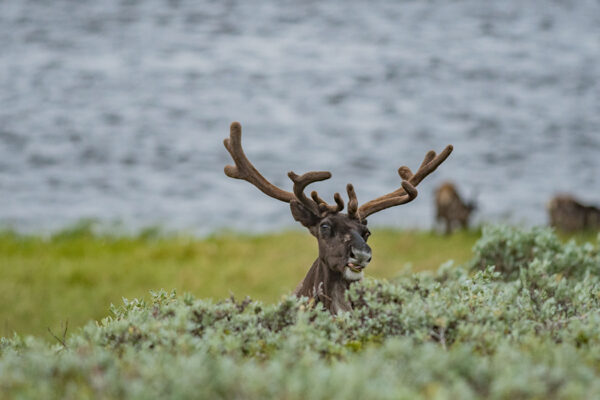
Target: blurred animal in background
342,238
451,209
569,215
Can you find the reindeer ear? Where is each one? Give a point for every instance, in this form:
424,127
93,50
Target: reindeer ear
303,215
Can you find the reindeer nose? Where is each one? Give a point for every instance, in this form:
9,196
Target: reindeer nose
361,257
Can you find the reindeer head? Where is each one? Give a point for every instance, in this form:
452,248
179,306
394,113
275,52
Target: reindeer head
342,238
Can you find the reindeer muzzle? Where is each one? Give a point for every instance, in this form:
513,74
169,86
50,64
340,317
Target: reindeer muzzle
359,258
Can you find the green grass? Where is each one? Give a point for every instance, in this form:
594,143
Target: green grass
75,275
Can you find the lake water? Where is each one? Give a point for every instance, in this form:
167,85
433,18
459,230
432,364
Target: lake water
117,110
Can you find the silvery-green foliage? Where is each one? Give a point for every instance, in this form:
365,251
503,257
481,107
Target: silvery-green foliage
510,250
524,324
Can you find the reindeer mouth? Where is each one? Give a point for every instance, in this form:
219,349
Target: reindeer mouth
357,264
355,268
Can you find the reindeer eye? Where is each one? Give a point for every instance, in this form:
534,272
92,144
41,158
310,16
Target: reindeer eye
325,229
366,234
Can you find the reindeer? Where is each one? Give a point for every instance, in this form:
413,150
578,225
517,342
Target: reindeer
451,209
570,215
342,238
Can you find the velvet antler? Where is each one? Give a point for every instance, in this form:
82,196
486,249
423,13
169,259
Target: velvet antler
302,181
325,208
407,192
243,169
353,203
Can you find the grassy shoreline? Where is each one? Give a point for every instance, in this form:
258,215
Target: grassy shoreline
74,275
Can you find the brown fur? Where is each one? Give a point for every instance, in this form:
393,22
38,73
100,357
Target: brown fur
569,215
451,209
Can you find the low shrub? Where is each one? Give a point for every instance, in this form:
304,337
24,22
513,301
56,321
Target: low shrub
511,250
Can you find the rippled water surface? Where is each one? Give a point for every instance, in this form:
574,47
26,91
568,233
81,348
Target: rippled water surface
117,109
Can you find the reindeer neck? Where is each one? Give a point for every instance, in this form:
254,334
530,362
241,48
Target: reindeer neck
326,286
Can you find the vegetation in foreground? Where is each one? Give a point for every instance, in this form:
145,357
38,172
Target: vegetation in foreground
520,320
75,275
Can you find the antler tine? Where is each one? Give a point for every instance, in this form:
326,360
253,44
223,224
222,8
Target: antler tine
243,168
386,202
352,202
302,181
430,163
407,192
326,208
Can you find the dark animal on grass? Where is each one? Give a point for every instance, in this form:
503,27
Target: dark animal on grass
451,209
342,238
569,215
